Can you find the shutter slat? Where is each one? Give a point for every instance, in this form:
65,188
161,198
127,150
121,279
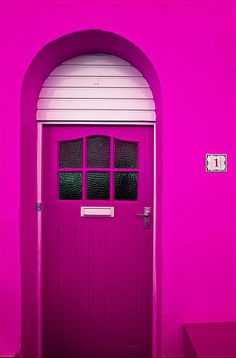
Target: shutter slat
131,104
76,70
97,59
95,93
95,115
97,82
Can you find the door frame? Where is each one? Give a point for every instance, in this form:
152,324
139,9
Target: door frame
40,126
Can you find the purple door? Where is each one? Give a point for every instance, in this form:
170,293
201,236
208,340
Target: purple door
97,252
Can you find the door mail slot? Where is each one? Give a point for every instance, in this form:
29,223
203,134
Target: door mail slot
97,211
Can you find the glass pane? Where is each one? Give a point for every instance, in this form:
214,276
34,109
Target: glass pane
98,186
71,154
98,152
126,186
126,154
71,186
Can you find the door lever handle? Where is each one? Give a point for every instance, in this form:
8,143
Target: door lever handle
146,216
147,212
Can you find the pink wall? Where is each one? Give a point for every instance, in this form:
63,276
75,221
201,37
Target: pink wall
192,46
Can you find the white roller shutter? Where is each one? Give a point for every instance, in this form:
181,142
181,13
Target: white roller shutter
96,87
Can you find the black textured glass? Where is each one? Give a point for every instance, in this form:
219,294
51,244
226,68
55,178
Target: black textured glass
126,186
126,154
98,186
98,152
71,186
71,154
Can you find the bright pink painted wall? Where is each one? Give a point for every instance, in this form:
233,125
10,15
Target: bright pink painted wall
192,46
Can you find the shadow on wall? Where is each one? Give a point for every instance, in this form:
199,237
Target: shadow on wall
52,55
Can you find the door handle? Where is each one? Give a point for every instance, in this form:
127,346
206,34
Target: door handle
147,212
146,216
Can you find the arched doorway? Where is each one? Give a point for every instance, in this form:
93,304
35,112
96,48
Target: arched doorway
98,111
31,284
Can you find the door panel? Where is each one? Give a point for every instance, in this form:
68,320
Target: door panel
97,271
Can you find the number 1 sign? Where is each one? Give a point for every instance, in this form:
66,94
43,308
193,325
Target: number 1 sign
216,162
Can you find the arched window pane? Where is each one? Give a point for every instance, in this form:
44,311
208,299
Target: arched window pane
71,154
126,154
98,152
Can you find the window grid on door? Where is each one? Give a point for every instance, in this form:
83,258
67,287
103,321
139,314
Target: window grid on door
119,166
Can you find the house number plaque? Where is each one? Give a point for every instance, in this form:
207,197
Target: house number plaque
216,162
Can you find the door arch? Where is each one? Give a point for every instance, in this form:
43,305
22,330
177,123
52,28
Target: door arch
48,58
